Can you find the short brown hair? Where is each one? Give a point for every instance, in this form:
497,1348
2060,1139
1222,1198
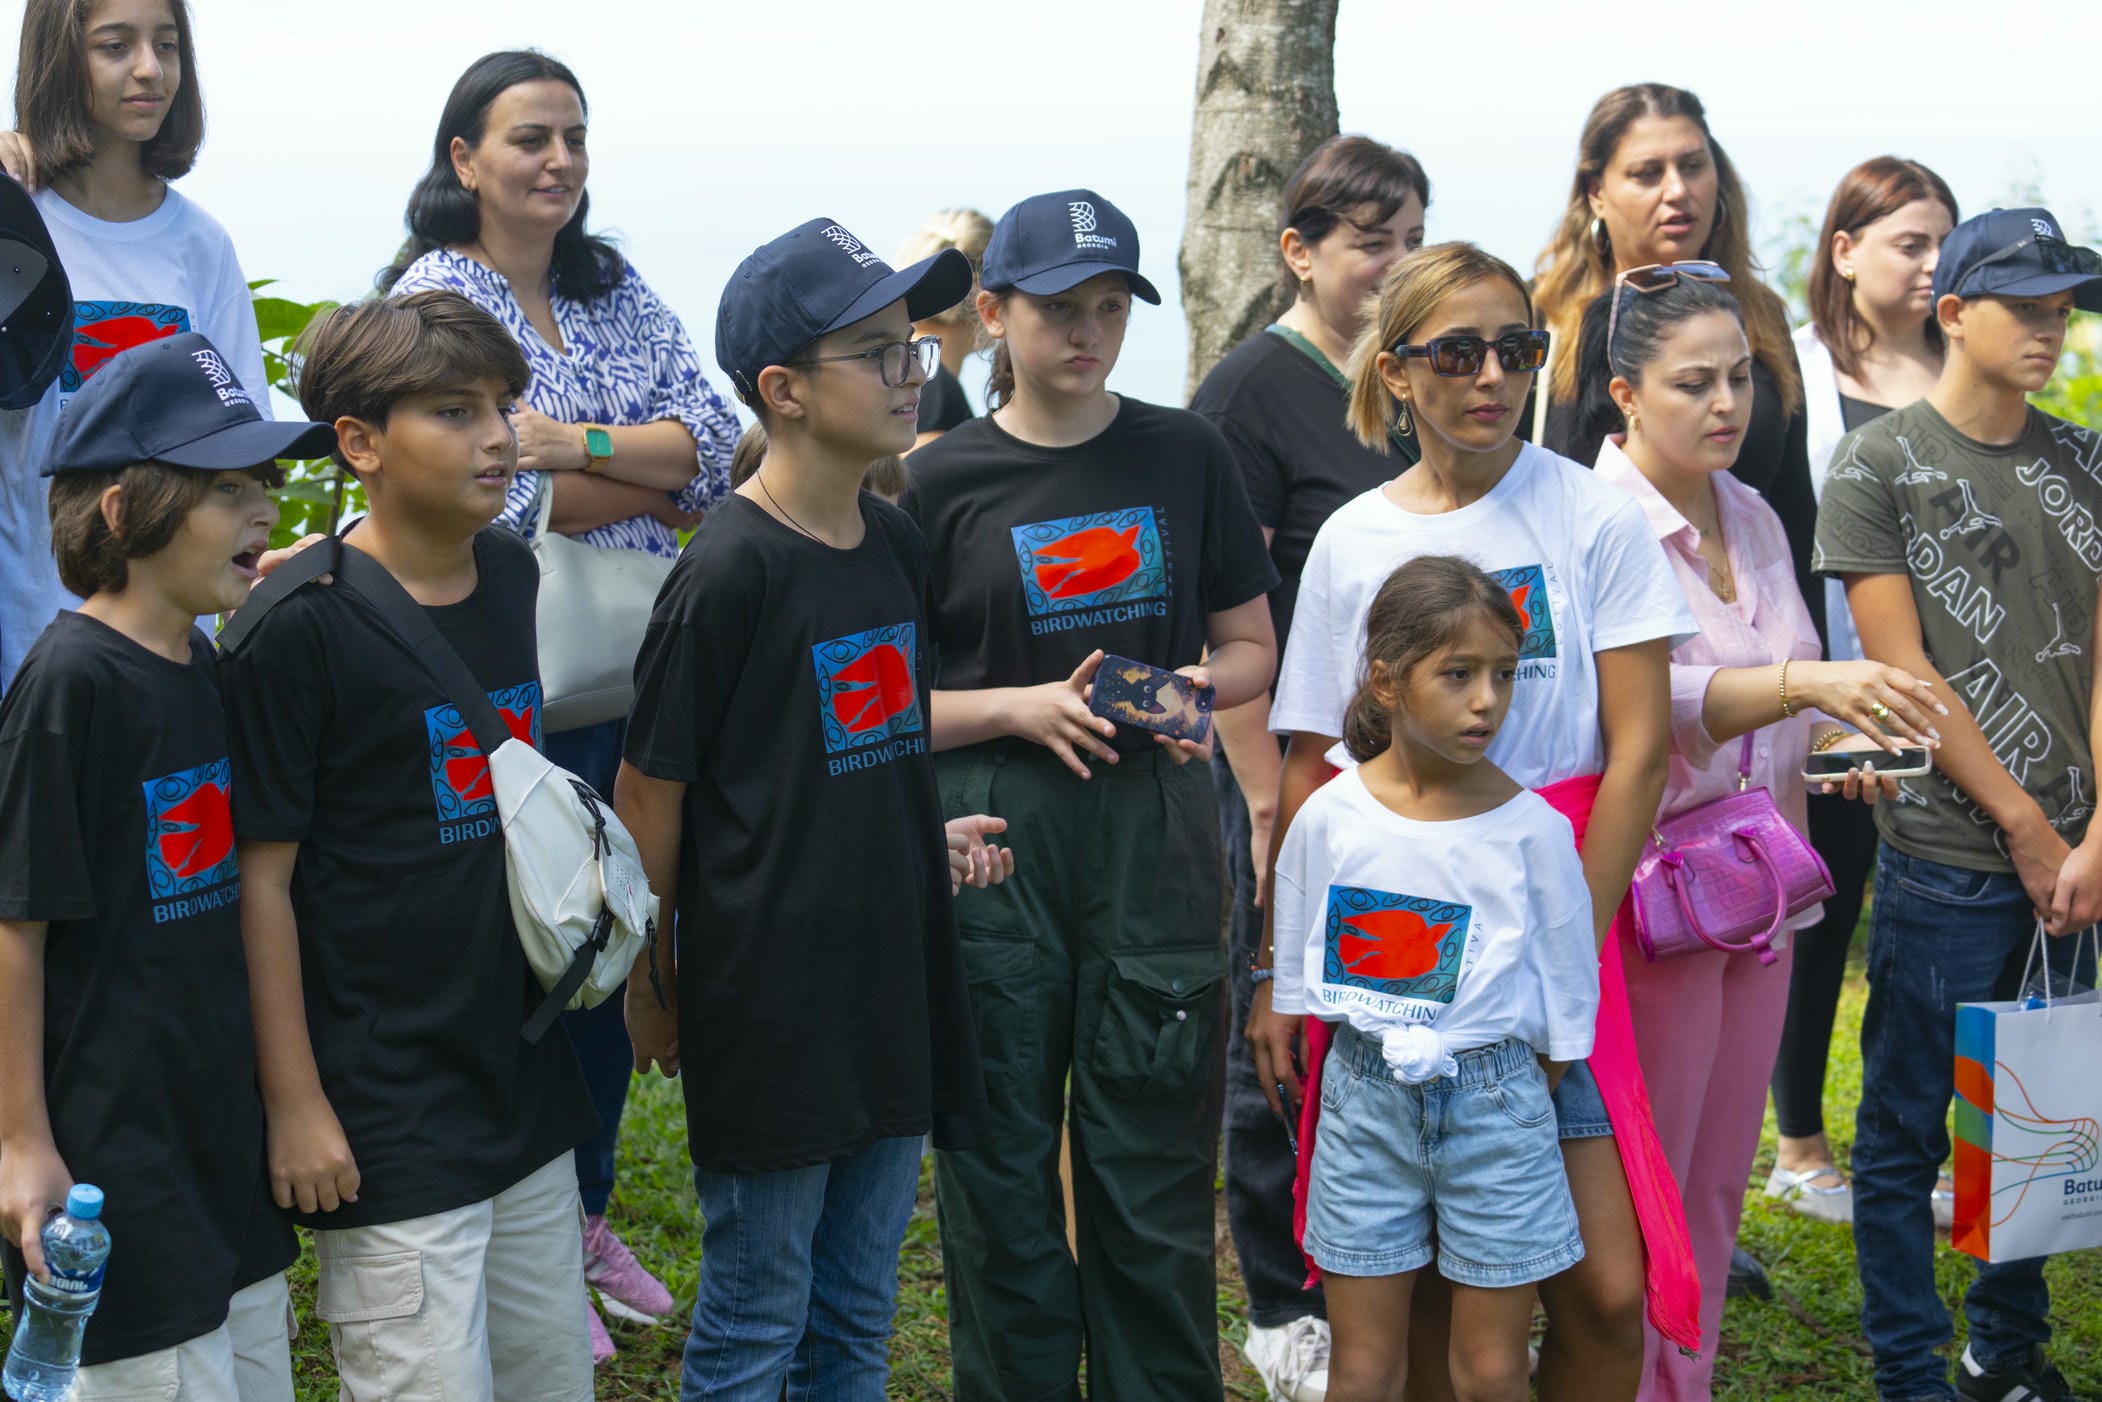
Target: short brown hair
1410,292
154,498
1338,178
1873,190
359,361
1418,612
51,94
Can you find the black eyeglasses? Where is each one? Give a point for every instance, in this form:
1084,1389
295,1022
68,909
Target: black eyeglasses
895,360
1655,277
2056,255
1455,356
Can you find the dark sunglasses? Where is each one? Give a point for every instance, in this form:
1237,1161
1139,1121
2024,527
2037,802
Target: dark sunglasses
1655,277
2056,255
1455,356
895,360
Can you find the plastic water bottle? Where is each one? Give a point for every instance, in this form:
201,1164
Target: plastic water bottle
45,1353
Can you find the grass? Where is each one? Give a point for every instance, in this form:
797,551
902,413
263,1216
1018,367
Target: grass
1805,1343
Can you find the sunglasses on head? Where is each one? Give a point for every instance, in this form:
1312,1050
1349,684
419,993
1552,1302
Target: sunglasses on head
1455,356
1655,277
2056,255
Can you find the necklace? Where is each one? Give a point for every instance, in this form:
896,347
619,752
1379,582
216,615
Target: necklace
760,478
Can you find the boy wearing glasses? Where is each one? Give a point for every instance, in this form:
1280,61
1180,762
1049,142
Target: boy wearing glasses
777,779
1964,527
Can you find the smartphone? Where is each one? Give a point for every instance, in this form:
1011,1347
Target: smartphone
1166,703
1831,766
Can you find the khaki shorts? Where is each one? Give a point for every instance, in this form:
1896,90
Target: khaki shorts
246,1359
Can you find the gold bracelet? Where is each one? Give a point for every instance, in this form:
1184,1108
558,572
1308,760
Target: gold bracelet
1787,711
1827,740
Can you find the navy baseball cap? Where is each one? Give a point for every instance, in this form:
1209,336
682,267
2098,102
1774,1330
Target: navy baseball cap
36,304
1052,243
174,401
813,280
2017,253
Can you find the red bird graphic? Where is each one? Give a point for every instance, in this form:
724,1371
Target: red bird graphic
872,688
1392,944
1087,562
1525,615
96,341
467,768
196,834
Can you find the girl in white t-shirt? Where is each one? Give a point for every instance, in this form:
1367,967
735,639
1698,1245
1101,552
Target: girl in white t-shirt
1452,349
1436,911
110,112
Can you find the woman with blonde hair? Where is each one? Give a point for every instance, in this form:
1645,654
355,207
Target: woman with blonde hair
1654,188
942,402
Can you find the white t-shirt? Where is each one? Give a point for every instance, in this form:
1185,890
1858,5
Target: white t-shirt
1581,562
1476,929
172,271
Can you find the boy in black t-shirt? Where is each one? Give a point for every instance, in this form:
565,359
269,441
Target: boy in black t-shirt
425,1141
126,1053
778,783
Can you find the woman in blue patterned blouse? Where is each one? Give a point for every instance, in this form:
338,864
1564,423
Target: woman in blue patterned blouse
618,423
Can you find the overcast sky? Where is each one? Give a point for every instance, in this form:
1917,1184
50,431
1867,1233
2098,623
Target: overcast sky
715,126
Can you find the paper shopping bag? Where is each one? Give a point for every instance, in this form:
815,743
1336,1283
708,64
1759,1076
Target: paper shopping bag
2028,1128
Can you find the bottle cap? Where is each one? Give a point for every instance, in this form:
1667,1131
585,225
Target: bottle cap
85,1200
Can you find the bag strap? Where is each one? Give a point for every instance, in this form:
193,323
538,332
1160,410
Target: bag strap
1678,876
409,623
1744,762
320,558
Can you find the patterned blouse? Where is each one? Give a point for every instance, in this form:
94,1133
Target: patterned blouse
628,362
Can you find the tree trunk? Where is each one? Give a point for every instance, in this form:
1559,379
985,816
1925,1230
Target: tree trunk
1266,95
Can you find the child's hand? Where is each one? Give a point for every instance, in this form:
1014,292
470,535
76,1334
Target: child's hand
311,1167
33,1185
973,860
1183,751
653,1029
17,159
1055,715
271,559
1277,1044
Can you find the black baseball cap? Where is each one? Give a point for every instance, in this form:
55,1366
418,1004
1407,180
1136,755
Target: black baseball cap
2017,253
175,401
813,280
1052,243
36,304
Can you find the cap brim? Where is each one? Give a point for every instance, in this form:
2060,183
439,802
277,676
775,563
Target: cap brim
2050,284
247,445
928,287
1065,279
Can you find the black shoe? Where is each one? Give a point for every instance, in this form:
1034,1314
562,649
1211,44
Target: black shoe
1747,1276
2035,1381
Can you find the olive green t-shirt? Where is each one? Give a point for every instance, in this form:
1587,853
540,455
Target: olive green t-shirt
2003,546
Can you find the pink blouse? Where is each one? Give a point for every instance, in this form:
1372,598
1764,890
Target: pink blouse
1766,624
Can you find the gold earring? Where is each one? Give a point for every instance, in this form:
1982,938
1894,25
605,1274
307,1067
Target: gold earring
1847,273
1401,417
1598,232
1634,420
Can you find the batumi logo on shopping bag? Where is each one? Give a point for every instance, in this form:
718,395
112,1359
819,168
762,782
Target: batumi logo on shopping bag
2028,1167
460,783
1393,945
190,866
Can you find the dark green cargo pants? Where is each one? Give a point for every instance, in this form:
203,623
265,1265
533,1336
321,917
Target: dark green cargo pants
1101,960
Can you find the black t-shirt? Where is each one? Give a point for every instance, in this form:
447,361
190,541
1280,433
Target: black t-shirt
822,998
114,827
1857,414
943,404
1127,542
1774,460
415,982
1282,412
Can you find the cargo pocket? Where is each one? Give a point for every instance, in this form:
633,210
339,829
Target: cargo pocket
1001,971
374,1309
152,1377
1160,1018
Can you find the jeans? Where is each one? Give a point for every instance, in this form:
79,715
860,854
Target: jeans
598,1035
1259,1160
1939,935
799,1278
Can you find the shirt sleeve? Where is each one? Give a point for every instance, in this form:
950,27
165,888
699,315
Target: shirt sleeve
278,712
1859,530
1636,591
232,328
687,671
679,390
1317,668
1237,563
1263,473
1289,913
45,843
1566,955
1689,696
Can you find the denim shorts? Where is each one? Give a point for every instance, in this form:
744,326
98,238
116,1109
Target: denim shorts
1465,1168
1580,1111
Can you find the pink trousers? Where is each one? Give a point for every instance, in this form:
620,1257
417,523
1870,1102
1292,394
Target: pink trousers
1707,1028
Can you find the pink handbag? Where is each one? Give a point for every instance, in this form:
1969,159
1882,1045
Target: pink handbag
1725,875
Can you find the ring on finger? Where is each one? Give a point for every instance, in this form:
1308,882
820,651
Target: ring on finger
1879,711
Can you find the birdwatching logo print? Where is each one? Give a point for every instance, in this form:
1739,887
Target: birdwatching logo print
1527,586
868,687
1104,557
460,782
190,830
105,329
1396,945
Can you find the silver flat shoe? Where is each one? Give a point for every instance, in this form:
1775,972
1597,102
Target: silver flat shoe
1802,1193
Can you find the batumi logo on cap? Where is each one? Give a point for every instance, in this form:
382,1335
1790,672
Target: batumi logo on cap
222,379
850,245
1084,225
2043,228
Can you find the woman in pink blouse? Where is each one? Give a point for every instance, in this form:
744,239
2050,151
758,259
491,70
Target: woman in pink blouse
1672,369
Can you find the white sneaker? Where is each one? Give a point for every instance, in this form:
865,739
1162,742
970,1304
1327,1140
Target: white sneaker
1823,1193
1292,1359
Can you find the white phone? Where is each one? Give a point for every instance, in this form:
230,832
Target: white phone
1831,766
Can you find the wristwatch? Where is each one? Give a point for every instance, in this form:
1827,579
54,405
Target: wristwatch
598,448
